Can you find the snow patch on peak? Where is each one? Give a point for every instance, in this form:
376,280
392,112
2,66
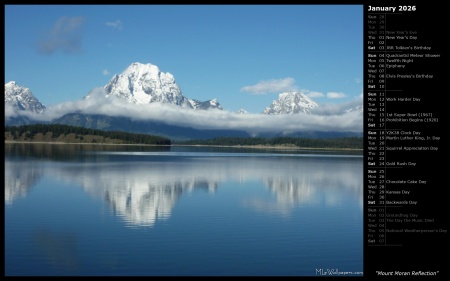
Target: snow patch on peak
291,103
206,105
241,111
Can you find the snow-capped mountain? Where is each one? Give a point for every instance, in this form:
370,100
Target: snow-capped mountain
21,98
290,103
241,111
145,83
205,105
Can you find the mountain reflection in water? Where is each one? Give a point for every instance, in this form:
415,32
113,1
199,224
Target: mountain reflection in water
144,187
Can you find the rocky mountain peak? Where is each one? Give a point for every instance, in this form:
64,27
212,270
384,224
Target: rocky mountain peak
291,103
145,83
205,105
22,99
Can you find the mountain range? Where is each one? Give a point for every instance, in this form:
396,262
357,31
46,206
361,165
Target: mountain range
144,84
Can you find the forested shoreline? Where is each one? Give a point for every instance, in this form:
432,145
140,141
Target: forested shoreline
72,134
283,142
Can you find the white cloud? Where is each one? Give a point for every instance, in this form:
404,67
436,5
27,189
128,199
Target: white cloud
335,95
328,118
105,72
271,86
314,94
9,111
115,24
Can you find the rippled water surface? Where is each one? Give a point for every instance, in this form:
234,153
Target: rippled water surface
131,210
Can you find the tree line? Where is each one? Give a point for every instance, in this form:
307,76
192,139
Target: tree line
82,134
28,132
341,143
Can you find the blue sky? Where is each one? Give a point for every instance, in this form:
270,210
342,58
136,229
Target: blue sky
242,55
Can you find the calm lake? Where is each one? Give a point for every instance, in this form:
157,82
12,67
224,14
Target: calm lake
103,210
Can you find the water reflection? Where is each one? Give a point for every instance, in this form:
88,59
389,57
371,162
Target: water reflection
145,188
72,152
312,187
20,176
141,205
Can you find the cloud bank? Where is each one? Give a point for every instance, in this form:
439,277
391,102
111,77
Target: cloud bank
324,118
